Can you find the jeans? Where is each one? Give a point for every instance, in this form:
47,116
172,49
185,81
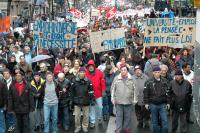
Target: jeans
10,119
50,111
96,111
162,111
2,121
64,116
107,106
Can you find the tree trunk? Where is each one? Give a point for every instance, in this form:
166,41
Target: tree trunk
8,7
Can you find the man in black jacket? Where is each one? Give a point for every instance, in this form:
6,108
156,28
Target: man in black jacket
10,117
64,100
82,95
181,93
156,99
21,101
3,102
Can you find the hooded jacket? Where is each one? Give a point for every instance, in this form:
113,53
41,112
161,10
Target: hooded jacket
36,88
97,78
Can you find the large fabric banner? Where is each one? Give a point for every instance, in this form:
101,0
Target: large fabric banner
54,34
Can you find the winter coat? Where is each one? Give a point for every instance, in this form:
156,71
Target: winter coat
109,79
64,93
69,76
57,89
58,68
139,88
3,94
156,92
168,78
86,57
98,81
150,64
122,90
184,60
181,95
20,104
82,92
36,88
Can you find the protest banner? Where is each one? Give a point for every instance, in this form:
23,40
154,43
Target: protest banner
54,34
5,24
196,3
172,32
107,40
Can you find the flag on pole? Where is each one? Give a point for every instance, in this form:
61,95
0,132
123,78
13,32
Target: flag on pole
75,12
112,13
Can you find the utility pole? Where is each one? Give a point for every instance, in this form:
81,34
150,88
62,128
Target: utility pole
52,10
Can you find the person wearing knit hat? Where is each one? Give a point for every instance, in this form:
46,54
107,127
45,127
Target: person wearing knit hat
82,69
156,98
37,74
178,72
181,99
137,67
82,97
141,112
123,65
37,84
21,101
156,69
122,96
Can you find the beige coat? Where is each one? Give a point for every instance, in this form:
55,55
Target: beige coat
122,90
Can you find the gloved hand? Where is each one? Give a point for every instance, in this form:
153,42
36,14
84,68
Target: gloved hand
168,106
70,105
147,106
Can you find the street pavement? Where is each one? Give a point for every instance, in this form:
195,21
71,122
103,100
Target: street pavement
109,127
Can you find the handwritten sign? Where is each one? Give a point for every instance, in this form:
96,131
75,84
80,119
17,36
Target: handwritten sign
172,32
107,40
54,34
196,3
5,24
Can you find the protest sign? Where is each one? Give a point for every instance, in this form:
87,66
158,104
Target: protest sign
54,34
5,24
196,3
172,32
107,40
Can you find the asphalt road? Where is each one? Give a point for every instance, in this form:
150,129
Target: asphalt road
109,127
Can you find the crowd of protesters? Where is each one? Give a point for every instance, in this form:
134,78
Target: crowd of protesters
155,80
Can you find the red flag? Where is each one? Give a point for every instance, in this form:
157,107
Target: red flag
112,13
75,12
5,24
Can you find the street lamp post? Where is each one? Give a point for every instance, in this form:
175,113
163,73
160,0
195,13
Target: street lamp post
180,10
52,10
